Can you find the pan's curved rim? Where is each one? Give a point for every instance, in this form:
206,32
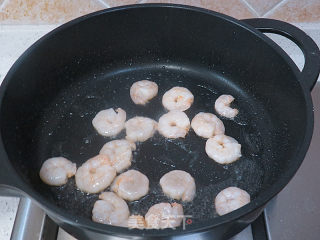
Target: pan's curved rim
84,223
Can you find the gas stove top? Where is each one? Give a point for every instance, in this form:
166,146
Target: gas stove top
293,214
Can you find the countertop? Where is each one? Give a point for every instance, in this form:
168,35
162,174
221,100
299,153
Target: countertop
15,39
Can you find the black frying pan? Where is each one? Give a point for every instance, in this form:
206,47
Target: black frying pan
56,87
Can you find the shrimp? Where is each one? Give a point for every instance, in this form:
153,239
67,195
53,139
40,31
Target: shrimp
230,199
174,124
143,91
139,129
136,221
131,185
178,185
164,215
222,106
207,125
177,98
95,174
119,153
56,171
111,210
223,149
109,122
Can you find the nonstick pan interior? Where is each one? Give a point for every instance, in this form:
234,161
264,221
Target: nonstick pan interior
61,83
66,130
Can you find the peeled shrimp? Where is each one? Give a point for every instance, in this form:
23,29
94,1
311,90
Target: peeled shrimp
207,125
95,174
111,210
56,171
177,98
142,91
136,221
223,149
178,185
131,185
164,215
222,106
119,153
139,129
174,124
230,199
109,122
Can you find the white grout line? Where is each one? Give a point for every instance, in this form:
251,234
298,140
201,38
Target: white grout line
251,8
104,3
3,5
275,7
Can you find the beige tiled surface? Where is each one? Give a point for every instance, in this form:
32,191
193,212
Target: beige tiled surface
297,11
60,11
45,11
115,3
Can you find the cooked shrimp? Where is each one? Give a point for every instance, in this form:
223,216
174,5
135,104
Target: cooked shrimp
119,153
223,149
174,124
164,215
222,106
230,199
207,125
177,98
139,129
111,210
109,122
131,185
143,91
136,221
95,174
178,185
56,171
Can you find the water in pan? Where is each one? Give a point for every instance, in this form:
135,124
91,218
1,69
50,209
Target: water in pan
66,130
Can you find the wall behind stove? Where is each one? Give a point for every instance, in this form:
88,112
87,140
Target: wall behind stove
60,11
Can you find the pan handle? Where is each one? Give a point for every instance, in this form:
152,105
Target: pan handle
310,71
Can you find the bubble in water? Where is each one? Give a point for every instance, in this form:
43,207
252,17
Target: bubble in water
90,97
239,122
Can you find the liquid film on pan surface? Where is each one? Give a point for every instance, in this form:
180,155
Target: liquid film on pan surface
66,130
